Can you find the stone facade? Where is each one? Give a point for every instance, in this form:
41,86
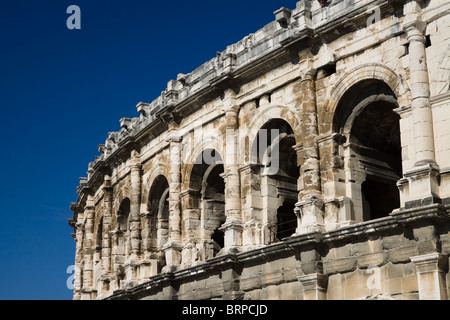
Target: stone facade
310,160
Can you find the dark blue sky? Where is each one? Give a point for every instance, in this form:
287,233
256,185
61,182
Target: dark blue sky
62,91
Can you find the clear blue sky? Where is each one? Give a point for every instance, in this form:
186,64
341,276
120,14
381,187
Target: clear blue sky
62,91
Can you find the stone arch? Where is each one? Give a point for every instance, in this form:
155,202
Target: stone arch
369,71
121,239
98,249
371,150
203,207
159,169
123,214
279,177
98,222
158,209
262,116
98,232
123,193
192,157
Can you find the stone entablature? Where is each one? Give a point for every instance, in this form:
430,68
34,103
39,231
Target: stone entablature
332,118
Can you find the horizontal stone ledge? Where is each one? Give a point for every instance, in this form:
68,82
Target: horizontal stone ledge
299,243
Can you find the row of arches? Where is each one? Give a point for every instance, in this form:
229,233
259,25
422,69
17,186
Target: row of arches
372,164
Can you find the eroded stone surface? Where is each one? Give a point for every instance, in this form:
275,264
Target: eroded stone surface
310,160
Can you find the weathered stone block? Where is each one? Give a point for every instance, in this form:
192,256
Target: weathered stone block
424,233
372,260
360,248
342,145
340,265
403,254
392,241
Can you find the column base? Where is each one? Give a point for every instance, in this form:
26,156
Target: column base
172,250
310,214
232,229
420,186
431,276
314,286
88,294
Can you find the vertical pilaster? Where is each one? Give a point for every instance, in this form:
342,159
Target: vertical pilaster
310,206
420,90
431,276
78,275
423,177
88,248
106,236
135,205
131,262
233,224
310,170
173,247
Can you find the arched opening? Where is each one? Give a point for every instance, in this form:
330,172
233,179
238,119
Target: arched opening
213,197
158,207
122,239
273,151
366,116
123,215
207,192
99,246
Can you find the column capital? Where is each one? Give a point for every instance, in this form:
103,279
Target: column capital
90,203
135,161
232,108
232,223
430,262
174,138
414,27
309,74
231,116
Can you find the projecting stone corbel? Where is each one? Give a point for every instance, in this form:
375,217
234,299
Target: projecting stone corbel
283,16
143,108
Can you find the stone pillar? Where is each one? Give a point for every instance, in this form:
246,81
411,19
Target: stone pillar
424,176
135,205
233,224
106,236
135,223
88,248
78,280
310,206
254,234
150,255
310,170
172,248
420,91
431,276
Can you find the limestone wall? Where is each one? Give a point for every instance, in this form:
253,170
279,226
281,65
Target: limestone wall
307,161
